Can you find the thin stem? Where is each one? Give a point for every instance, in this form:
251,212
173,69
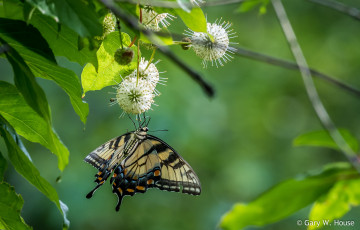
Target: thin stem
133,41
339,6
310,87
151,58
181,43
133,24
294,66
138,63
119,28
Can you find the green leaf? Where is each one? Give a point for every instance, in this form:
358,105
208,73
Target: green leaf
63,42
195,20
10,208
285,198
109,71
77,15
3,166
249,5
336,203
29,124
40,64
321,138
27,85
26,168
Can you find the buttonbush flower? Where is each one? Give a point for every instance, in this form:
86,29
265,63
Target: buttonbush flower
134,95
213,46
152,19
148,73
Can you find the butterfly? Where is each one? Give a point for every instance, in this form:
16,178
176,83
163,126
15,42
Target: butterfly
140,161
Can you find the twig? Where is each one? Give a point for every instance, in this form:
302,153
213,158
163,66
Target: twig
310,87
133,24
294,66
174,4
339,6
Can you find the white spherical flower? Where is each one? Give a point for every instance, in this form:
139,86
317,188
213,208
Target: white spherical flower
134,96
148,73
152,19
214,45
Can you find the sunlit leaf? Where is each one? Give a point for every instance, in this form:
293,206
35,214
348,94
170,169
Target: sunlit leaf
285,198
3,166
77,15
29,124
251,4
26,168
109,72
16,34
10,208
336,203
195,20
322,138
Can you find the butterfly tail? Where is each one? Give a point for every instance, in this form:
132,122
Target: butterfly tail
91,193
120,197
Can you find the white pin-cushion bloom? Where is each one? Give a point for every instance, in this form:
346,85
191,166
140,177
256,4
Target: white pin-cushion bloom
148,73
134,95
213,46
151,19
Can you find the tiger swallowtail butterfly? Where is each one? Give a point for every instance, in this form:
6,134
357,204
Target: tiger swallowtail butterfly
140,161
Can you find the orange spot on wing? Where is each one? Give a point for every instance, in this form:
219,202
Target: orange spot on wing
140,188
150,181
114,184
120,190
100,178
130,190
114,175
157,173
99,173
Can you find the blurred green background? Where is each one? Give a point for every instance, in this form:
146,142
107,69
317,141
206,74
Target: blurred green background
239,142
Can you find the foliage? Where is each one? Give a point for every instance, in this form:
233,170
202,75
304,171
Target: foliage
35,33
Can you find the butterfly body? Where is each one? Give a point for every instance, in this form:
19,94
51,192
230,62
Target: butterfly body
141,161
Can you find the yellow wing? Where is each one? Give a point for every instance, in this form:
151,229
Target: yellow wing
154,164
105,158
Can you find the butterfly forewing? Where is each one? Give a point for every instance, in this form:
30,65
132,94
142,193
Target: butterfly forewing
105,158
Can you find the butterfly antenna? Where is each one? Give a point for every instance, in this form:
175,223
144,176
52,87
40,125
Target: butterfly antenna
148,122
159,130
132,120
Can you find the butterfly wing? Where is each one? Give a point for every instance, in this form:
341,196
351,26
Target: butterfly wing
176,173
105,158
154,164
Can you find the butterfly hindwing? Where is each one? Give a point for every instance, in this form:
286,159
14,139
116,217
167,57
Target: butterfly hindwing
176,173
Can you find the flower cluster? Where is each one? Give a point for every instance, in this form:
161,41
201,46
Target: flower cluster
213,46
135,94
